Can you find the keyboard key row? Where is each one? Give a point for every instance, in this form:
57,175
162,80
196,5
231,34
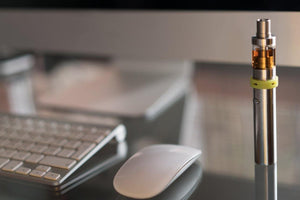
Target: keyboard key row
26,146
28,121
38,152
11,143
7,153
38,148
21,155
38,144
39,171
93,137
47,175
72,144
9,130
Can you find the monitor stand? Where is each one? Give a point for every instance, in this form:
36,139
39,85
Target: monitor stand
127,88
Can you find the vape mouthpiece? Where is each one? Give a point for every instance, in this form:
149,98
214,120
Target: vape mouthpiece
263,28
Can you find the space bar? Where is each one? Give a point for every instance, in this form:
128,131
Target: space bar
63,163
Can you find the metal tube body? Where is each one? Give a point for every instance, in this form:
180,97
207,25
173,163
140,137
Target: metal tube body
264,107
265,182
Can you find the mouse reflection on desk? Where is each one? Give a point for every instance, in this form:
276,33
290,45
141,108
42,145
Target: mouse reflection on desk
150,171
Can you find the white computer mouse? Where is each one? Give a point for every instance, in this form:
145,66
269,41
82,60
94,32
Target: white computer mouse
151,170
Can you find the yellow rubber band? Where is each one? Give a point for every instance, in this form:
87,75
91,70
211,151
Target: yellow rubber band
268,84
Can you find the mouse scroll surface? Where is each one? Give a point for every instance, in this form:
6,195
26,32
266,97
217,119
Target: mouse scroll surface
151,170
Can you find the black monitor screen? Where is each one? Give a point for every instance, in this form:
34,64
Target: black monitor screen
268,5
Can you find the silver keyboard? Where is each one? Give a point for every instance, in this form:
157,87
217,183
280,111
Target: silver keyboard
48,151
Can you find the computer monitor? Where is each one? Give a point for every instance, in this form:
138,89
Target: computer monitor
149,29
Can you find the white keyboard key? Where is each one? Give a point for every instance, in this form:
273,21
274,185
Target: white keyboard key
72,144
13,135
66,153
37,173
3,161
75,135
2,132
58,142
83,150
93,137
7,153
25,137
77,127
12,144
87,145
34,158
4,142
23,170
12,165
37,138
66,126
33,134
64,134
26,146
52,176
38,148
43,168
63,163
46,140
21,155
58,162
52,150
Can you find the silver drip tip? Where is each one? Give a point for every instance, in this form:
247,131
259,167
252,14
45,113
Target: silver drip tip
263,35
263,29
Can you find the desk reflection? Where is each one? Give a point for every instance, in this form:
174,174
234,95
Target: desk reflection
266,182
182,188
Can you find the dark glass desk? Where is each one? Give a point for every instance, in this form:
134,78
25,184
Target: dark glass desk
216,117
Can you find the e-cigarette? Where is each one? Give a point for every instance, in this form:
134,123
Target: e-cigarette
264,82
